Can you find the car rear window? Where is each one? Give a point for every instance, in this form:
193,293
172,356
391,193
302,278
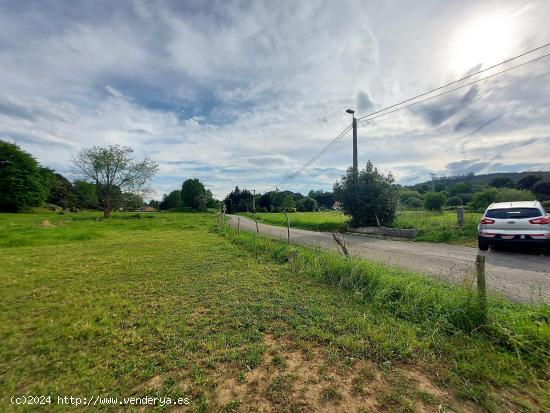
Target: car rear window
506,213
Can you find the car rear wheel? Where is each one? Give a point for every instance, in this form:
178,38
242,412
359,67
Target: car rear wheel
482,244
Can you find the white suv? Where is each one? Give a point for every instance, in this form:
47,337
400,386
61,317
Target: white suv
514,222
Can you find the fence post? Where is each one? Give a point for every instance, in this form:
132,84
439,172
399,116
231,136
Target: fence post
256,221
460,215
239,226
481,287
287,226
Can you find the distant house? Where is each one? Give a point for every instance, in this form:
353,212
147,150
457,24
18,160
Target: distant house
147,209
337,205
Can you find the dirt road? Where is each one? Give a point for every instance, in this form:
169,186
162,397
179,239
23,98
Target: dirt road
520,276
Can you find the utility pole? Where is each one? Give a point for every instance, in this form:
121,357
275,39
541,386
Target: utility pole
354,125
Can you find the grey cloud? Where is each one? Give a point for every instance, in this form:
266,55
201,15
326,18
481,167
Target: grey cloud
364,101
437,113
19,138
466,166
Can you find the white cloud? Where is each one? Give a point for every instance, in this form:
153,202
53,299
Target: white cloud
244,96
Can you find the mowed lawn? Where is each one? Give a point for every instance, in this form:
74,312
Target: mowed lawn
433,226
165,306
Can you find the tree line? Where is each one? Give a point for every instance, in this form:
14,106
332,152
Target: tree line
475,195
242,200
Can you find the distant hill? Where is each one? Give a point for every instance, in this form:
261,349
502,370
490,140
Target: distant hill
486,178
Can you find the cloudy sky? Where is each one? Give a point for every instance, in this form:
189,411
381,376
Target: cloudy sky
245,92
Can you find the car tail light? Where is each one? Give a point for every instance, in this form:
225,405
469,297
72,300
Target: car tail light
486,221
540,221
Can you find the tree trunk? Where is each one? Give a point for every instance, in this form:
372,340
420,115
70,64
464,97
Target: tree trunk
107,209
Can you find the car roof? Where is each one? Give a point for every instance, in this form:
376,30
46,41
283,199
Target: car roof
518,204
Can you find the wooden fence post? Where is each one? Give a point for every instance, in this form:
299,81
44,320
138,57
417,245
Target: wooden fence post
256,221
287,226
239,226
460,216
481,286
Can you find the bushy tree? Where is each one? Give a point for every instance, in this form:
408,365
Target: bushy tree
459,188
288,202
406,193
434,201
511,195
211,202
193,194
502,182
413,203
21,181
61,191
528,181
455,201
86,194
154,204
172,200
542,190
325,199
310,204
306,204
129,201
266,201
482,200
113,171
368,195
238,201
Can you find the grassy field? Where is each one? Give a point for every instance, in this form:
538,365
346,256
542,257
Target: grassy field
433,226
165,305
314,221
441,227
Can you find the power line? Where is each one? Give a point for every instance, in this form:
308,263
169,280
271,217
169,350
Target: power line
365,118
458,80
370,116
484,92
326,148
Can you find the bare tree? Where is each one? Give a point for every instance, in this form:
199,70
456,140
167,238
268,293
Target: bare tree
114,171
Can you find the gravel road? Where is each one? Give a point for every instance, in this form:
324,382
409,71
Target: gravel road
520,276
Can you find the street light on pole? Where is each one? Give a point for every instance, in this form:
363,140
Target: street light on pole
354,124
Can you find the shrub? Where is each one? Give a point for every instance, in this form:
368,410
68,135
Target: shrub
546,205
542,189
502,182
527,182
508,194
455,201
434,201
406,194
306,205
413,203
482,200
368,196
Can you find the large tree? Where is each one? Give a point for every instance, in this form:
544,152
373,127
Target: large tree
542,189
22,183
193,194
172,200
114,171
86,194
368,196
61,191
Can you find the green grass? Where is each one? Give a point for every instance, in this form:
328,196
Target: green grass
166,306
433,226
440,226
331,221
